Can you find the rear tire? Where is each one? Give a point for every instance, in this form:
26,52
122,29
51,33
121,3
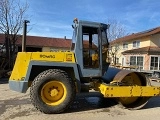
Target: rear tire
52,91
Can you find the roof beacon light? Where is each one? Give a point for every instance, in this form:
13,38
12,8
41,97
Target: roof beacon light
75,20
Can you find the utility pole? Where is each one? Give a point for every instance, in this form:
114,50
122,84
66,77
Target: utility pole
24,35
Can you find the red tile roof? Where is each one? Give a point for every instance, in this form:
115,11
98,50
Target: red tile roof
42,41
144,50
36,41
86,45
137,35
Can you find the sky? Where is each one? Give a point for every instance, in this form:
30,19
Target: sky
53,18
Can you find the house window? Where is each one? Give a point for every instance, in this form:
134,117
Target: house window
136,44
116,47
154,63
117,60
125,45
137,61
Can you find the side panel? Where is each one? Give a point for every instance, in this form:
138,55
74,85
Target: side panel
20,68
22,86
53,56
19,78
23,59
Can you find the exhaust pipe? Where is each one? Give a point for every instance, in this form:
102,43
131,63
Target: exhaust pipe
24,35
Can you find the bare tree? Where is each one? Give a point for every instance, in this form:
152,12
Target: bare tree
12,15
115,31
113,51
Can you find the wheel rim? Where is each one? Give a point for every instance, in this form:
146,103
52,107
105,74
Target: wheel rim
53,93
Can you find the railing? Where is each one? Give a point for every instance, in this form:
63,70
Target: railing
125,67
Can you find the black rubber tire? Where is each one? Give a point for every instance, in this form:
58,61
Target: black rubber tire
48,76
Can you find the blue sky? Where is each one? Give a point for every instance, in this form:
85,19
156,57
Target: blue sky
53,18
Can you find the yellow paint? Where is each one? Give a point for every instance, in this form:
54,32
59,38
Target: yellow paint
69,57
53,93
23,59
54,56
94,57
21,66
130,80
127,100
128,91
48,56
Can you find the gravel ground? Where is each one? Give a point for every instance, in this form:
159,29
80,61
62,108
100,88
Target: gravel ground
17,106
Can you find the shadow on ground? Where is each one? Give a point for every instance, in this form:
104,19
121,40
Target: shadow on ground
83,102
91,101
153,103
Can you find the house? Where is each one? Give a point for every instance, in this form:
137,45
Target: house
44,44
138,49
36,43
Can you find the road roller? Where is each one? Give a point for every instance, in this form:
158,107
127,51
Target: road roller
55,78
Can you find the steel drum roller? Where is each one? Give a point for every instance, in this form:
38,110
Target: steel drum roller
120,77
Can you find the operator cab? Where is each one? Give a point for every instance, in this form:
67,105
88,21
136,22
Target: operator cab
91,45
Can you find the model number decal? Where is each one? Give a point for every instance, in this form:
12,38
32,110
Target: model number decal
68,57
47,56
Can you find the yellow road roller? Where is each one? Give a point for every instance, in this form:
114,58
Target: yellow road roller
56,77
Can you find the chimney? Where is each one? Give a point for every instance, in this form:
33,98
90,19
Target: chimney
65,37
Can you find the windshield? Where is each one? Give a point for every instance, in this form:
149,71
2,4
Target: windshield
104,38
105,52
